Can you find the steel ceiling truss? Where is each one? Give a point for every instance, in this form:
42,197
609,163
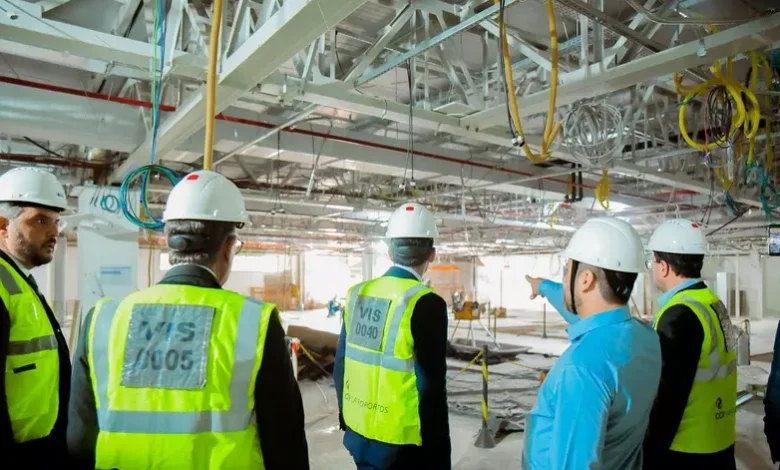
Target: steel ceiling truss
249,37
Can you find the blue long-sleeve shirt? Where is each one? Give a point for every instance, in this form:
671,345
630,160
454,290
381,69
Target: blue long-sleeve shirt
429,332
593,408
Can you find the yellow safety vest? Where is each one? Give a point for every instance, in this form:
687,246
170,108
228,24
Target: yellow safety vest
709,422
32,368
173,372
380,399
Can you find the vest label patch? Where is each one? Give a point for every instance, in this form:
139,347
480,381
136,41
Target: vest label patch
368,321
167,346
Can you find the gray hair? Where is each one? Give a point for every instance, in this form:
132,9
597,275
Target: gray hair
411,252
10,211
209,237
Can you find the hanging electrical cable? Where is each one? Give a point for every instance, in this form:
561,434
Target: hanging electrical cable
211,85
550,130
146,220
602,190
593,133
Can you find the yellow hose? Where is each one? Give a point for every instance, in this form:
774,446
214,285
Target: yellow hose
550,130
211,85
602,190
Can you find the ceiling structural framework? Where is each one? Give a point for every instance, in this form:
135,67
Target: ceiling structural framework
332,112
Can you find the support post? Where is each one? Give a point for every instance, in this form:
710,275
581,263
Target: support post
544,320
485,438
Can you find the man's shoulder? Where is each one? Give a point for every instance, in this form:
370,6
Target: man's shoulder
432,299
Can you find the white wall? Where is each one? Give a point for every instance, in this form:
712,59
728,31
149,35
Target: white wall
501,280
771,272
759,278
239,281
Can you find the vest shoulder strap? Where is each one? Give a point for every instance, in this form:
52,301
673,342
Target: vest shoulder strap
8,280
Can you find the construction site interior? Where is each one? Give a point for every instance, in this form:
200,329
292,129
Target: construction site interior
514,121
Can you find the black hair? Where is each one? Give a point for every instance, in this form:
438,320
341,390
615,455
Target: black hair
411,252
687,266
614,286
196,241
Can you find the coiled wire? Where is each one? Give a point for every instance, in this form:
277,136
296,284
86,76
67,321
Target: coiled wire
593,133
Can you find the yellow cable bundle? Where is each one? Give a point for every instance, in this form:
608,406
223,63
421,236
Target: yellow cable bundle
550,130
748,119
755,61
602,190
211,85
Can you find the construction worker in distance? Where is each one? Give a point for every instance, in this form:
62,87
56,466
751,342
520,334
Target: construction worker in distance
693,423
36,383
185,374
593,407
390,369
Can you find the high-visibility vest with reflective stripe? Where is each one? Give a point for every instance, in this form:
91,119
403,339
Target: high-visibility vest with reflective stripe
709,422
380,399
165,426
32,368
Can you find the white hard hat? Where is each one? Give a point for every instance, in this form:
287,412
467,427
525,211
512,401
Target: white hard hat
412,220
680,236
31,185
206,195
608,243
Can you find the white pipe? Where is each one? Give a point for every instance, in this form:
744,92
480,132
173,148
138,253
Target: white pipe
738,309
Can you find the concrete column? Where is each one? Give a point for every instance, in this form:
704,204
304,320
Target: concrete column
57,276
758,281
301,276
368,264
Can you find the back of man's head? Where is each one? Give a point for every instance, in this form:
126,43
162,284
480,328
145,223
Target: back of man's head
197,241
411,252
683,265
614,286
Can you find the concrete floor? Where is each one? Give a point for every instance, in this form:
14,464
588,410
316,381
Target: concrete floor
326,451
521,329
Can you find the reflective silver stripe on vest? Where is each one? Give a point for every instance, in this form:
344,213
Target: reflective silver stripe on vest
238,418
387,359
716,370
41,343
8,281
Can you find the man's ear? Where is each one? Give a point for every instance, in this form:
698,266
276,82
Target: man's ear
587,280
4,223
227,250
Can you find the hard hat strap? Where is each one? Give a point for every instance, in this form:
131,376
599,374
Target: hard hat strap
574,267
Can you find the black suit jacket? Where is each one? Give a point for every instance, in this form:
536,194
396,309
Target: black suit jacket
278,404
50,449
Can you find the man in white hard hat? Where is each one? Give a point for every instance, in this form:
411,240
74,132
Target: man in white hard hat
36,383
592,409
186,374
693,423
390,369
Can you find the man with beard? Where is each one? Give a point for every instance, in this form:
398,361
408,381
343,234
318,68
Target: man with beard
593,408
36,383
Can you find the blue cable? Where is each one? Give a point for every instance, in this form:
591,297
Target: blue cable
145,172
124,195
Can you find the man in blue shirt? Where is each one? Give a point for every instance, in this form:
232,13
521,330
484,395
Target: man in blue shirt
593,408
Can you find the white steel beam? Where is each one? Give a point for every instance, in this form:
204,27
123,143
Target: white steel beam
30,29
55,116
672,180
74,119
756,34
367,58
296,24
